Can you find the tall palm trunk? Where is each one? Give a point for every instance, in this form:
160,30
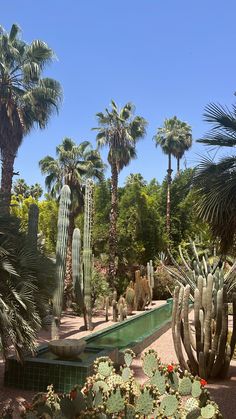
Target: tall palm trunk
113,224
178,166
168,199
8,158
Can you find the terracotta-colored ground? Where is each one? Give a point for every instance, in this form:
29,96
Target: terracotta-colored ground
222,391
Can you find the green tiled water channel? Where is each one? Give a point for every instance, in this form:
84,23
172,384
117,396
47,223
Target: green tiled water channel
133,330
44,369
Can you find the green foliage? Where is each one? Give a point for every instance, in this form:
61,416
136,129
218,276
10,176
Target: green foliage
215,180
139,224
108,394
27,283
99,286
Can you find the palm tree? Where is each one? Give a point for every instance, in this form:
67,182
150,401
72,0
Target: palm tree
215,182
20,187
174,138
73,165
184,143
26,99
27,283
119,130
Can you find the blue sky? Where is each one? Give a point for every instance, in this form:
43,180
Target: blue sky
169,57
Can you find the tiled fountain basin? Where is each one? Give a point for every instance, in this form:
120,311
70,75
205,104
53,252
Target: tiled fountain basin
137,333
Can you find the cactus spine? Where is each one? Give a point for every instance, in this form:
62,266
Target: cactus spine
208,353
87,252
61,249
76,273
33,219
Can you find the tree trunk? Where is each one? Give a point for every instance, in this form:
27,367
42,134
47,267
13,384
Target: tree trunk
113,224
8,158
178,166
168,200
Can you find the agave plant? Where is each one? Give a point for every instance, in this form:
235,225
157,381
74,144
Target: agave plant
25,288
193,264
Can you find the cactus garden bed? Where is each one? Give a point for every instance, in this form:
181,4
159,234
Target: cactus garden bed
137,332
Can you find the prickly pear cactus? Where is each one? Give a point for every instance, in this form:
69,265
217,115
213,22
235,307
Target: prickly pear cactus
115,402
208,411
150,362
169,405
108,394
145,402
196,388
191,404
126,374
103,366
159,380
185,386
129,355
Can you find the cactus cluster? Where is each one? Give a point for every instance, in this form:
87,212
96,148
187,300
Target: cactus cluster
206,346
142,292
194,265
108,394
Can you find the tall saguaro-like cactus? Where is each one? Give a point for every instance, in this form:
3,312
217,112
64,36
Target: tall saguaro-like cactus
61,249
87,251
76,273
33,218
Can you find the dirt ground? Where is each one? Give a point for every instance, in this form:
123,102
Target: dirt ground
222,391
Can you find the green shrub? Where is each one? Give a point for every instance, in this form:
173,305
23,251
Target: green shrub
163,284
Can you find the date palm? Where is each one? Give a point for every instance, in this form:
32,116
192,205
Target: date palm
73,165
216,181
119,130
26,99
174,138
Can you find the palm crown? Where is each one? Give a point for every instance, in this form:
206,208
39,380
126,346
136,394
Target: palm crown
216,181
26,99
174,137
119,130
73,165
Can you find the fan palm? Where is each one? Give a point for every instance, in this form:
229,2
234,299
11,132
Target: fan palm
26,99
216,181
119,130
174,138
73,165
27,283
184,140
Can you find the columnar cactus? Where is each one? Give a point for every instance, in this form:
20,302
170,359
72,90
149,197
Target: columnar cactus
130,298
114,307
76,273
87,252
150,276
33,218
142,291
61,249
207,349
